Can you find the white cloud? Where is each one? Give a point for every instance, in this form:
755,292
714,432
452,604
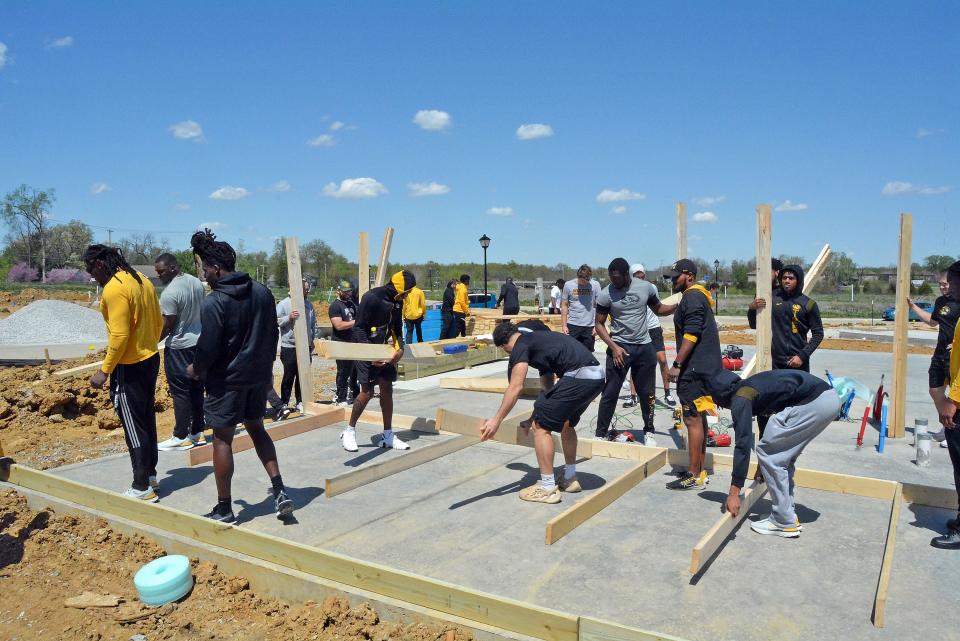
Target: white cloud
708,201
323,140
610,196
705,217
336,125
619,210
897,187
924,133
500,211
789,205
428,189
3,55
187,130
182,207
99,188
433,120
280,185
696,238
60,43
355,188
534,131
230,193
212,226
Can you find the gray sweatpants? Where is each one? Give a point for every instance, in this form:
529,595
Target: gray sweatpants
787,433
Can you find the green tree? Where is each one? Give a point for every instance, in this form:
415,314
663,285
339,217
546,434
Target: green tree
740,273
936,263
26,210
841,270
66,244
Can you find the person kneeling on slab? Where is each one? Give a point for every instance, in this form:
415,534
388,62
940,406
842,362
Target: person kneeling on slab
555,410
799,407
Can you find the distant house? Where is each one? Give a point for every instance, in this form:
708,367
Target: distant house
150,272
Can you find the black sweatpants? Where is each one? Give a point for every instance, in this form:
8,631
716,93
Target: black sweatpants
412,325
583,334
953,447
460,325
641,361
133,389
187,393
447,325
346,380
288,357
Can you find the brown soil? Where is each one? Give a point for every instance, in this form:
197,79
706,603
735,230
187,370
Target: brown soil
742,337
46,558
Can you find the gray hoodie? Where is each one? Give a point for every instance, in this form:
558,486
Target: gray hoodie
284,308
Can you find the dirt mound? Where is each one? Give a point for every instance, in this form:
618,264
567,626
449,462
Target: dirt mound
11,301
47,558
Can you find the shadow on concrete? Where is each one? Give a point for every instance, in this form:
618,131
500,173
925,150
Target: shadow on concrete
929,518
531,476
182,478
407,436
301,497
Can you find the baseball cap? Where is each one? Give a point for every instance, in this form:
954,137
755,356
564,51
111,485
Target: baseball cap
344,286
684,265
637,267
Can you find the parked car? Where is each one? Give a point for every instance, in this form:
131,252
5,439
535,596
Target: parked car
488,301
890,312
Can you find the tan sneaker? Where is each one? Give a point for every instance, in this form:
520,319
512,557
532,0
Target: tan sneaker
573,485
537,494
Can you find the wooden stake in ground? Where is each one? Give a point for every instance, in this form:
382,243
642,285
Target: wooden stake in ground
681,230
300,334
883,583
764,290
384,258
898,392
363,263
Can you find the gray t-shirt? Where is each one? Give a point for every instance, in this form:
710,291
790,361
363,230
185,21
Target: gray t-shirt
582,300
183,298
628,311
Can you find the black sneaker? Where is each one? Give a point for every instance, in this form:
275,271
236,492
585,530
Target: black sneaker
954,524
223,518
283,412
600,434
949,541
283,504
689,482
669,400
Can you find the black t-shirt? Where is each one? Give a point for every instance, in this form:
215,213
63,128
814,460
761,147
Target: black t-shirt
946,312
346,311
550,352
694,317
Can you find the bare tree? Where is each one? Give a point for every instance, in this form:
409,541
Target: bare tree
31,207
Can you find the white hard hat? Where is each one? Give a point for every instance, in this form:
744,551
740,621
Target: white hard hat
637,267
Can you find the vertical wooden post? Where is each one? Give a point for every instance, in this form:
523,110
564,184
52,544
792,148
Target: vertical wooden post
816,270
384,258
681,230
363,261
300,334
764,290
898,396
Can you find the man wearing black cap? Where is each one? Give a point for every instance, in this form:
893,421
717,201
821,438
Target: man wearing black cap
379,321
343,316
698,355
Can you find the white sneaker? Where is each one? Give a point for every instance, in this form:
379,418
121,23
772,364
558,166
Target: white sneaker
147,495
393,442
174,443
299,407
940,436
943,444
154,483
349,438
198,439
342,404
649,440
766,526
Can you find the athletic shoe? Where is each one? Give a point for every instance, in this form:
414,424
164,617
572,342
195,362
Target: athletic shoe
147,495
572,486
943,444
954,524
767,526
173,443
669,400
283,505
536,494
349,438
223,518
600,434
342,404
940,436
690,482
392,443
649,440
282,413
799,524
631,403
154,483
949,541
198,439
299,407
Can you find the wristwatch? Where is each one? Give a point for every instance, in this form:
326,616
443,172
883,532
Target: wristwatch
677,364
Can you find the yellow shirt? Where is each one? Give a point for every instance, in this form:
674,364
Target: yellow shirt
955,367
415,304
132,313
461,302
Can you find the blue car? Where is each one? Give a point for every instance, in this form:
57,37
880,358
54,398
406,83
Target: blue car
890,312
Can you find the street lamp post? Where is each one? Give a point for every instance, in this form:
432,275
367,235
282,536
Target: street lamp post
485,242
716,279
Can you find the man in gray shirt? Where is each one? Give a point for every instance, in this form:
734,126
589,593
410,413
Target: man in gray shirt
627,301
180,303
578,307
286,316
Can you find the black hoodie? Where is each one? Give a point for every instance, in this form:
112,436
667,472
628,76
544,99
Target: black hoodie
762,394
238,335
380,317
793,318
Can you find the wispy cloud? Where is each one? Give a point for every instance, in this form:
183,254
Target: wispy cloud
355,189
182,207
705,217
433,120
3,55
99,188
534,131
280,185
230,193
336,125
323,140
619,210
187,130
60,43
708,201
500,211
428,189
611,196
212,226
926,133
897,187
789,205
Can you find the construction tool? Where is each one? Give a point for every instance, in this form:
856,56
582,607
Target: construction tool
878,400
863,425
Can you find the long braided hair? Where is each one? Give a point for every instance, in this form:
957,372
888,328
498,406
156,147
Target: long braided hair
112,259
212,251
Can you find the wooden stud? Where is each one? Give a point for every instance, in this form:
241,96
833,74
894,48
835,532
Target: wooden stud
363,263
510,431
574,516
819,266
715,537
531,386
681,230
411,370
898,393
597,630
381,278
340,351
941,497
764,290
46,356
301,335
883,583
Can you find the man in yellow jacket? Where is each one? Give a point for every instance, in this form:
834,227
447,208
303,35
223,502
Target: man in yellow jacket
414,310
130,308
461,306
949,410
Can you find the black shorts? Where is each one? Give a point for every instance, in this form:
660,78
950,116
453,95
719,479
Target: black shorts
693,395
224,408
566,401
369,375
656,339
584,335
939,372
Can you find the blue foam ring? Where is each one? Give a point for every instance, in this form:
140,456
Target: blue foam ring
164,580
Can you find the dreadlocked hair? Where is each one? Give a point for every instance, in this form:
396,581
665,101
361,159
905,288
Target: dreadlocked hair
212,251
112,259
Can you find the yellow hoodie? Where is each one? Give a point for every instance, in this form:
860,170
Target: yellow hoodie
955,368
414,305
461,303
132,313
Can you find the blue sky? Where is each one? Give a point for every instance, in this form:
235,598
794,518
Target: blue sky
253,115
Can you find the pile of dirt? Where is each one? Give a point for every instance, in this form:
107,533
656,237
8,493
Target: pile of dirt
46,558
11,301
322,310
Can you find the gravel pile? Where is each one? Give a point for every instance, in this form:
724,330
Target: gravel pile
52,322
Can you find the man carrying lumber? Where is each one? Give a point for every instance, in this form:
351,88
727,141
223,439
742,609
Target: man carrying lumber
286,318
130,308
180,303
655,329
461,306
343,316
698,353
800,406
578,307
414,311
379,321
627,301
509,297
235,354
557,410
949,411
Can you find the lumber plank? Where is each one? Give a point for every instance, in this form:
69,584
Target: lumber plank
898,392
715,537
412,369
381,278
277,431
597,630
378,471
681,230
415,423
531,386
764,291
341,351
301,336
442,596
627,451
672,299
431,349
363,265
510,431
819,266
574,516
941,497
886,566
